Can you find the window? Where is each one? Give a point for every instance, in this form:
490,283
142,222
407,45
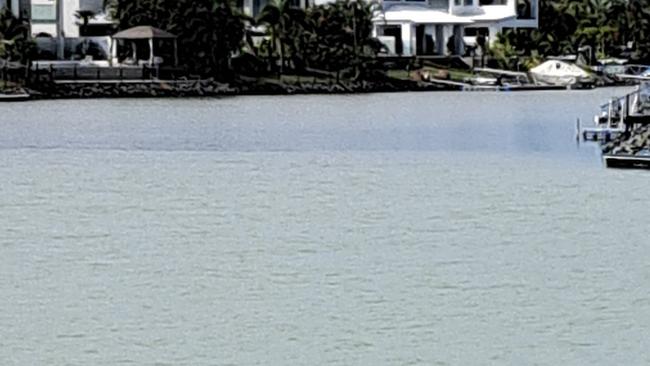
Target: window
457,2
493,2
473,32
439,4
469,2
524,9
258,6
92,5
44,13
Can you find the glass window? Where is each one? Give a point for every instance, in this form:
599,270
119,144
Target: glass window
524,9
44,13
473,32
258,6
92,5
469,2
493,2
457,2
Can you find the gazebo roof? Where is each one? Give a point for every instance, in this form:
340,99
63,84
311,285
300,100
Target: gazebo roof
143,32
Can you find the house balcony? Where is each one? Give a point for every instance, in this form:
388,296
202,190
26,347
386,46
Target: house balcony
465,7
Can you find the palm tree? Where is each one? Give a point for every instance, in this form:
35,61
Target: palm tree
15,44
285,23
209,31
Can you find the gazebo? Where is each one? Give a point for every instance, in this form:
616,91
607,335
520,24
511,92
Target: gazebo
145,32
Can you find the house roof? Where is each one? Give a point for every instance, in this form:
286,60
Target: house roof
494,13
143,32
421,14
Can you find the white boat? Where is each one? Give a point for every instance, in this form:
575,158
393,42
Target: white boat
556,72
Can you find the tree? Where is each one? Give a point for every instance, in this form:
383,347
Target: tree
342,37
607,26
15,43
209,31
286,24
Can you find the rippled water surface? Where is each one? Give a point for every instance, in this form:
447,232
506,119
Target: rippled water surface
385,229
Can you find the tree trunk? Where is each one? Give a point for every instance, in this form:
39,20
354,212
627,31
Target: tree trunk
281,52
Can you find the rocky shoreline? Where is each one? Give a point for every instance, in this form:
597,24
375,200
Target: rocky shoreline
630,143
211,88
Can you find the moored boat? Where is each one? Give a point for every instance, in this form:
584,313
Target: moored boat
18,97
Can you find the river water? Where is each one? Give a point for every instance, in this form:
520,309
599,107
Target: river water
382,229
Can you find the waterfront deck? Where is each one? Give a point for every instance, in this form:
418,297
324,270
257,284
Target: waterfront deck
21,97
602,134
627,161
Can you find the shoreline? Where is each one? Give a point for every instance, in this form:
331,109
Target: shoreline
210,88
92,89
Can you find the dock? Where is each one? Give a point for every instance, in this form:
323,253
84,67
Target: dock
627,161
621,115
20,97
623,128
472,87
601,134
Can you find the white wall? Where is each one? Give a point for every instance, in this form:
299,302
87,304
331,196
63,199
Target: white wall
408,36
49,28
70,27
15,5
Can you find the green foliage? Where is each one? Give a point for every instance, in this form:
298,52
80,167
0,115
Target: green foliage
336,36
286,26
604,25
15,43
342,36
504,53
209,31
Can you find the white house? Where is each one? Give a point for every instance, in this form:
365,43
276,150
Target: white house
57,18
439,27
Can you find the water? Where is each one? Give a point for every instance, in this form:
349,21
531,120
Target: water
387,229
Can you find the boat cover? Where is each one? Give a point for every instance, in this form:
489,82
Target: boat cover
555,72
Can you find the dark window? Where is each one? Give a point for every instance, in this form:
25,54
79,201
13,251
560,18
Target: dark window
258,5
395,31
524,10
493,2
473,32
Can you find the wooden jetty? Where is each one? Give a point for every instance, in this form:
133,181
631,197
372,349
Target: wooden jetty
622,126
621,115
505,88
627,161
20,97
602,134
634,108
